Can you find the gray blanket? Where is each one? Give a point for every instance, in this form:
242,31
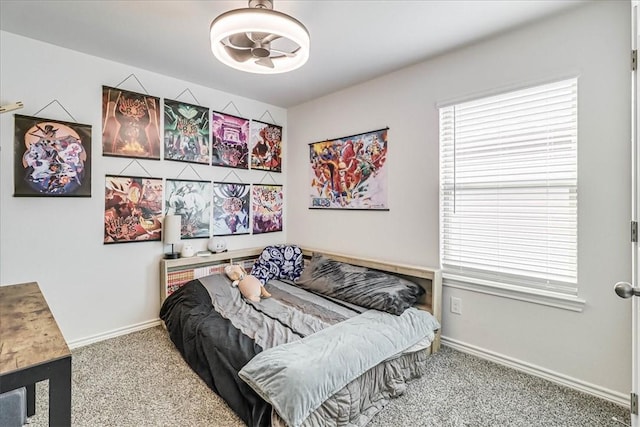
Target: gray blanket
291,315
338,354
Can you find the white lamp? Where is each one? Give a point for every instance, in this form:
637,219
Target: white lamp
171,233
242,39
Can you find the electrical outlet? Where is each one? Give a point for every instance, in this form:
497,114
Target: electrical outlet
456,305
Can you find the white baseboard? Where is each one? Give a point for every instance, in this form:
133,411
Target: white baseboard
555,377
113,333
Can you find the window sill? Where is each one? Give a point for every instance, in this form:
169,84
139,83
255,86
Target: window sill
536,296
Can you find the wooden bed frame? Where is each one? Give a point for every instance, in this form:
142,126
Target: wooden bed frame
176,272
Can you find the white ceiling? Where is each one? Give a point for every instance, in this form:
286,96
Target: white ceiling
351,40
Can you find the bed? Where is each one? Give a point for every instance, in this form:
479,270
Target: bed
304,356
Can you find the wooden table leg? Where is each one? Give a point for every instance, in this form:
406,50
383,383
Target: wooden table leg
31,400
60,393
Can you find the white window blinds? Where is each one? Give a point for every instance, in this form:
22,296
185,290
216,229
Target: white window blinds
508,185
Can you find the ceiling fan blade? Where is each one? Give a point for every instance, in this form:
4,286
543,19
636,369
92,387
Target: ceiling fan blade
271,37
266,62
258,37
240,55
240,40
283,53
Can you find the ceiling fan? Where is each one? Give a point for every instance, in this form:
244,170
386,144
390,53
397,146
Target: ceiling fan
255,46
259,39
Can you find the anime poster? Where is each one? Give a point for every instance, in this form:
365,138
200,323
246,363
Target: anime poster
132,209
266,204
230,145
52,158
186,132
350,172
266,146
192,201
230,208
130,124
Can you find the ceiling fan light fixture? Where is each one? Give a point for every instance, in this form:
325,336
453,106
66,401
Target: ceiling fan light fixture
249,26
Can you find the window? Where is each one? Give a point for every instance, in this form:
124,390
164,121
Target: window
508,192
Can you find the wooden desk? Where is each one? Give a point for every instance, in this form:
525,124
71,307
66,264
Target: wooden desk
32,349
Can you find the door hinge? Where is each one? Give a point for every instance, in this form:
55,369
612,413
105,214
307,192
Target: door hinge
634,404
634,59
634,231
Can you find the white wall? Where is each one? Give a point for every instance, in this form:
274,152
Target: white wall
94,289
592,42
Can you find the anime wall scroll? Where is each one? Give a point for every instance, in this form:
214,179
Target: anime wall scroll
230,208
130,124
349,172
132,209
266,204
266,146
230,141
186,132
51,158
192,201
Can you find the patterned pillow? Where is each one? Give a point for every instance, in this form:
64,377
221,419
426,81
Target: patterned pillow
362,286
278,262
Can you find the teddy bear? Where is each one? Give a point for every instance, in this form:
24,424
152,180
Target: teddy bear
250,287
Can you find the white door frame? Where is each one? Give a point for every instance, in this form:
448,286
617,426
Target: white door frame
635,198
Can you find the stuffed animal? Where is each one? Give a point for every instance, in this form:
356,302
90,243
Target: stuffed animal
250,287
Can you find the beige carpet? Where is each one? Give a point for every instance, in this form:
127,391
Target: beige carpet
140,379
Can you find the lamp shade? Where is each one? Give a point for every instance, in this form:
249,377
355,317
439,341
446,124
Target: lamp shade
171,232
